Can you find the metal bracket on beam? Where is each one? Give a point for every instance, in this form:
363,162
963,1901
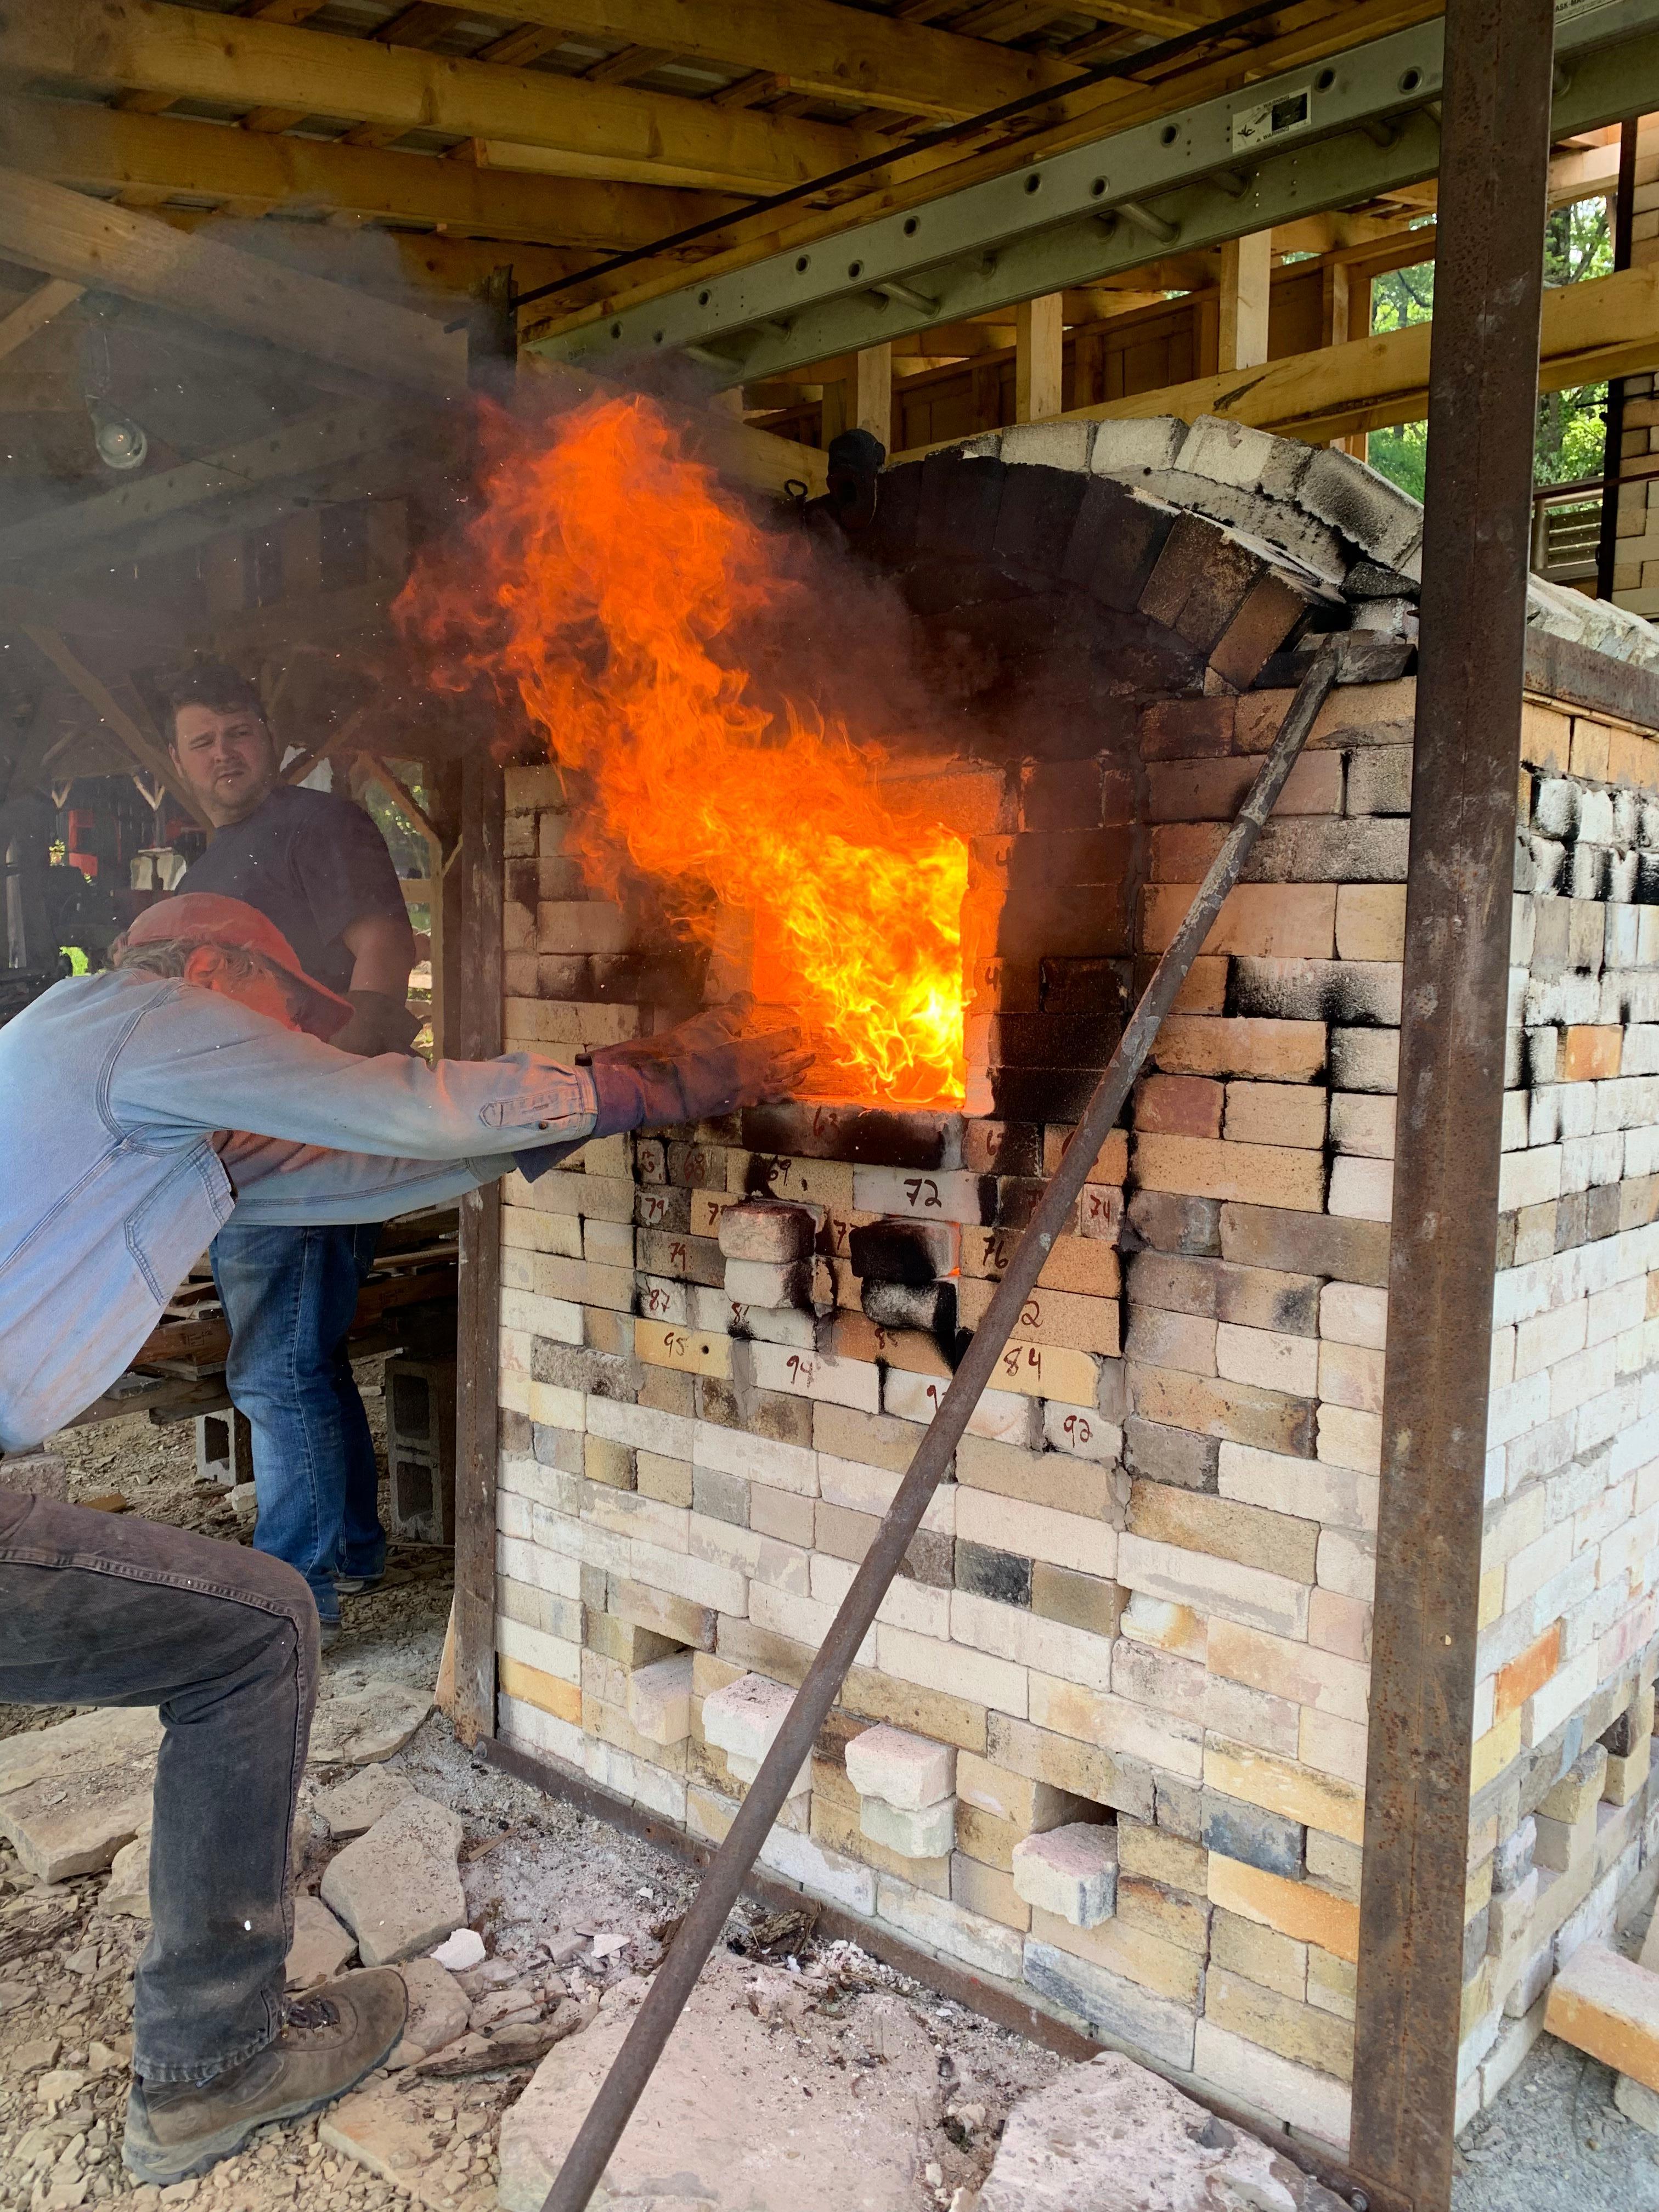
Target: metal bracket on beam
1155,226
1308,138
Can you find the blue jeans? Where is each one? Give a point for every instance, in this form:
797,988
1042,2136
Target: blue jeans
99,1611
289,1295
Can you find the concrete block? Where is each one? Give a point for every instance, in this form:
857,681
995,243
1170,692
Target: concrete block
906,1771
1070,1871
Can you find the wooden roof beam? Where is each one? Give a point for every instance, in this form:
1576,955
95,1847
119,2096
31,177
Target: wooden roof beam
33,313
144,746
108,148
835,52
66,235
608,131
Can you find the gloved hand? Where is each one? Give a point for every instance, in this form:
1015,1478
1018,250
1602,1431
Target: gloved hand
379,1023
700,1068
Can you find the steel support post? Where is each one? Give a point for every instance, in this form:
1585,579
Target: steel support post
1482,406
1613,446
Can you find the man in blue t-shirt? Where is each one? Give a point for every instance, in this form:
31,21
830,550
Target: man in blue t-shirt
317,866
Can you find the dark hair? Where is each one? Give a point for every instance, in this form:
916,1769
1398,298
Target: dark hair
209,683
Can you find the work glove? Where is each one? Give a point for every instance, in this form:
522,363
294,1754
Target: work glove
692,1072
379,1023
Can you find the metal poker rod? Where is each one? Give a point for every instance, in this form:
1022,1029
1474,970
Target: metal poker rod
677,1977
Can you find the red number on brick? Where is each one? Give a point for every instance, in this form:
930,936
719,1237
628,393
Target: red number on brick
1030,1316
677,1253
1076,1427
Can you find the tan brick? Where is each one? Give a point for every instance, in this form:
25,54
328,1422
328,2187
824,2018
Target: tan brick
1162,1856
835,1828
1252,1175
1080,1769
1285,1669
1172,1916
1296,1909
1014,1800
1278,1051
1591,1054
1608,2006
1318,1801
1588,755
637,1605
1276,1114
923,1712
1297,2031
1545,737
693,1351
1274,922
1059,1318
988,1890
1530,1672
1371,921
1179,1106
984,1837
1050,1479
1232,1411
1166,1968
1272,1962
1247,1533
546,1691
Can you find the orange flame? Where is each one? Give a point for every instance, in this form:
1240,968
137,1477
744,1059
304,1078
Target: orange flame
616,570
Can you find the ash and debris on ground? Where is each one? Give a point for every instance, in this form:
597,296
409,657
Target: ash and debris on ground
571,1911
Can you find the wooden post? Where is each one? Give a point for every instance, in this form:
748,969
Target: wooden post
872,409
1247,268
1039,335
473,1019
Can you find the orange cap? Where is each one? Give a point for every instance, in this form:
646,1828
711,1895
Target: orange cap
209,917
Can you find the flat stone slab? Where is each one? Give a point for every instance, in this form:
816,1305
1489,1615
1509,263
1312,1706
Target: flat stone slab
398,1887
378,2128
352,1806
72,1795
362,1726
438,2011
1109,2136
320,1946
722,2125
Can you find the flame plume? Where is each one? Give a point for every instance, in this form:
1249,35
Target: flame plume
608,577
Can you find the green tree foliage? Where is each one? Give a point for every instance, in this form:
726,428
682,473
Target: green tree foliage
1578,243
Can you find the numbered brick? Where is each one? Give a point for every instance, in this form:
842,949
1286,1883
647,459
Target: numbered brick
693,1351
707,1207
1086,1436
1051,1317
817,1374
813,1182
951,1196
1002,1415
766,1231
1046,1371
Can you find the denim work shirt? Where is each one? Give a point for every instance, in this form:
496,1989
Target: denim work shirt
112,1089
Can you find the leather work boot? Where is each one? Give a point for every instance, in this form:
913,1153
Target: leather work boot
330,2040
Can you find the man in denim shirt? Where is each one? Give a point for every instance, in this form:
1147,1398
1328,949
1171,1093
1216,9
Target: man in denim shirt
140,1111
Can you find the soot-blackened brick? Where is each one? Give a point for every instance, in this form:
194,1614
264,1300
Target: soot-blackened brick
1245,1832
1199,582
912,1252
892,536
1621,1738
1055,1040
1169,1222
1115,545
1180,1457
1362,656
1002,1147
929,1307
1003,1577
1086,986
1186,729
1051,1094
1018,1198
959,503
1271,612
1061,795
868,1136
1086,858
1034,521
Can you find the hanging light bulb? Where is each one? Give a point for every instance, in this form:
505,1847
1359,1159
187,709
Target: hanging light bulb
120,442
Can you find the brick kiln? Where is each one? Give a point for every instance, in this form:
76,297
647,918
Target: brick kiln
1107,1743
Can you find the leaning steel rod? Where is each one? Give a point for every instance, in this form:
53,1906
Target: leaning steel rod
677,1977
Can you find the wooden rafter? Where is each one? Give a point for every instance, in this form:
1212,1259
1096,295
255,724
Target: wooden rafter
66,234
144,746
106,148
600,131
33,313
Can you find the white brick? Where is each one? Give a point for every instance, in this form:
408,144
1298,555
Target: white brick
1005,1415
744,1717
907,1772
1529,1178
1013,1632
926,1833
1181,1578
756,1459
1351,1375
1350,1439
953,1667
1363,1122
823,1873
949,1194
1268,1358
1307,1489
1071,1872
1314,2103
1036,1532
1347,1564
531,1647
983,1944
1352,1313
660,1699
1361,1190
668,1435
853,1382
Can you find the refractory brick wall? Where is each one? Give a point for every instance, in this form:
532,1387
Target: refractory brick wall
1107,1742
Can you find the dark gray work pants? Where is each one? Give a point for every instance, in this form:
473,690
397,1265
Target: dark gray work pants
100,1609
